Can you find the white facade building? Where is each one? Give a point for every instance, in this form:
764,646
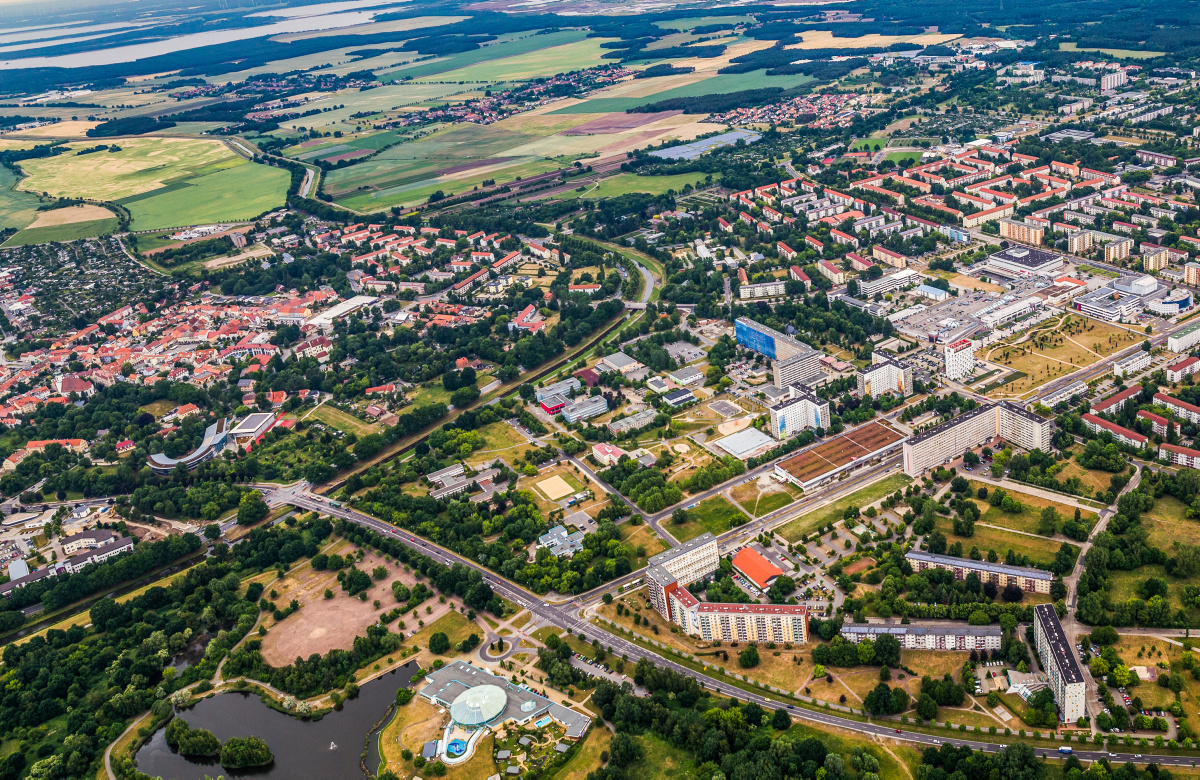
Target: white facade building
1059,663
960,359
1008,421
886,374
801,410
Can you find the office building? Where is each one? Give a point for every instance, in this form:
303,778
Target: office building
960,359
1183,340
216,440
559,541
886,374
585,409
562,388
801,409
1004,420
1058,661
634,422
869,288
1002,575
917,637
1131,364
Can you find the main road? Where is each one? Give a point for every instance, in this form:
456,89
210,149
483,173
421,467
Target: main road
568,616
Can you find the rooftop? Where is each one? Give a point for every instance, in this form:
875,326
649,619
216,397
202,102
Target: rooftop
1060,650
997,568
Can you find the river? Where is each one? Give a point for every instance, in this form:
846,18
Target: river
291,24
302,749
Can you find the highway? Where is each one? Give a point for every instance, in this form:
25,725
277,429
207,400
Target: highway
567,616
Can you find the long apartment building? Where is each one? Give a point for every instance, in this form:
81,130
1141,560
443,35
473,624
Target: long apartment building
1120,434
1180,456
1005,420
1059,663
1131,364
912,637
794,361
1025,578
668,575
886,374
1182,409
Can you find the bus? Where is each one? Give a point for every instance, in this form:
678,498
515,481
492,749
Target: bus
1066,751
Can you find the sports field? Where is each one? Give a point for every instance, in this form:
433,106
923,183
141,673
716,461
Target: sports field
143,164
625,183
1133,54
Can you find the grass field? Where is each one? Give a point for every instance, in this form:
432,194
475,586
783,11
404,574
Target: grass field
241,192
641,536
806,523
868,144
1132,54
898,157
625,183
69,232
1039,550
1028,518
715,515
1168,523
587,758
342,421
486,54
1127,585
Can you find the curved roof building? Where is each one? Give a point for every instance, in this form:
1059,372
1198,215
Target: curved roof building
477,706
216,439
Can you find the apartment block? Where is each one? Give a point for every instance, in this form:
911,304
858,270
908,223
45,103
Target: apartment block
1011,422
1121,435
761,290
1002,575
802,409
1058,661
1181,409
1183,340
886,374
1020,231
1191,274
1179,369
1158,423
1131,364
917,637
1180,456
1116,402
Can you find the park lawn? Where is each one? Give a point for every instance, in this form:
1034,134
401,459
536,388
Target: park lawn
898,157
641,536
1168,523
1031,510
1040,551
715,515
240,192
868,144
1040,364
896,761
1153,651
503,441
830,513
587,757
934,663
1127,585
160,407
1098,481
411,726
626,183
453,624
342,421
663,760
72,231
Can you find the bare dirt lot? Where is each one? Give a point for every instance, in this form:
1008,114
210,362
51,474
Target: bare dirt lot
324,624
70,215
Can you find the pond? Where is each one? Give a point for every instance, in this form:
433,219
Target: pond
324,749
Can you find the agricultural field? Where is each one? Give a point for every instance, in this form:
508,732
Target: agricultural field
622,97
1133,54
72,231
823,39
495,52
533,64
18,209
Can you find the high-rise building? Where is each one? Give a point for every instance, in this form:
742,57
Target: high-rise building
802,409
960,359
886,374
1059,663
1191,274
794,361
1021,231
690,562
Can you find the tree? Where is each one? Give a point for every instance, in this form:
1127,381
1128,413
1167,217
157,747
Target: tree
927,708
887,650
783,587
780,720
245,752
252,508
1104,635
748,658
212,531
439,643
624,750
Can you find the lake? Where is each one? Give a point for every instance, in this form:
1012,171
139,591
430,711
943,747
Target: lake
302,748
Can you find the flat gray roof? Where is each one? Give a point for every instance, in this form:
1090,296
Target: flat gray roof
995,568
675,552
922,630
943,427
1060,649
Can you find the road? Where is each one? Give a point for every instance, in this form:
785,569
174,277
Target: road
568,616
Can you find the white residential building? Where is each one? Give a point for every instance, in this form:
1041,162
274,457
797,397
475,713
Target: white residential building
886,374
802,409
1059,663
960,359
930,449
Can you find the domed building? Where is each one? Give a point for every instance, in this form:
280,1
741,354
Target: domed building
479,701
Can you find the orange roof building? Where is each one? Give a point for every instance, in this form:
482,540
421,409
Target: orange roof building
754,567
